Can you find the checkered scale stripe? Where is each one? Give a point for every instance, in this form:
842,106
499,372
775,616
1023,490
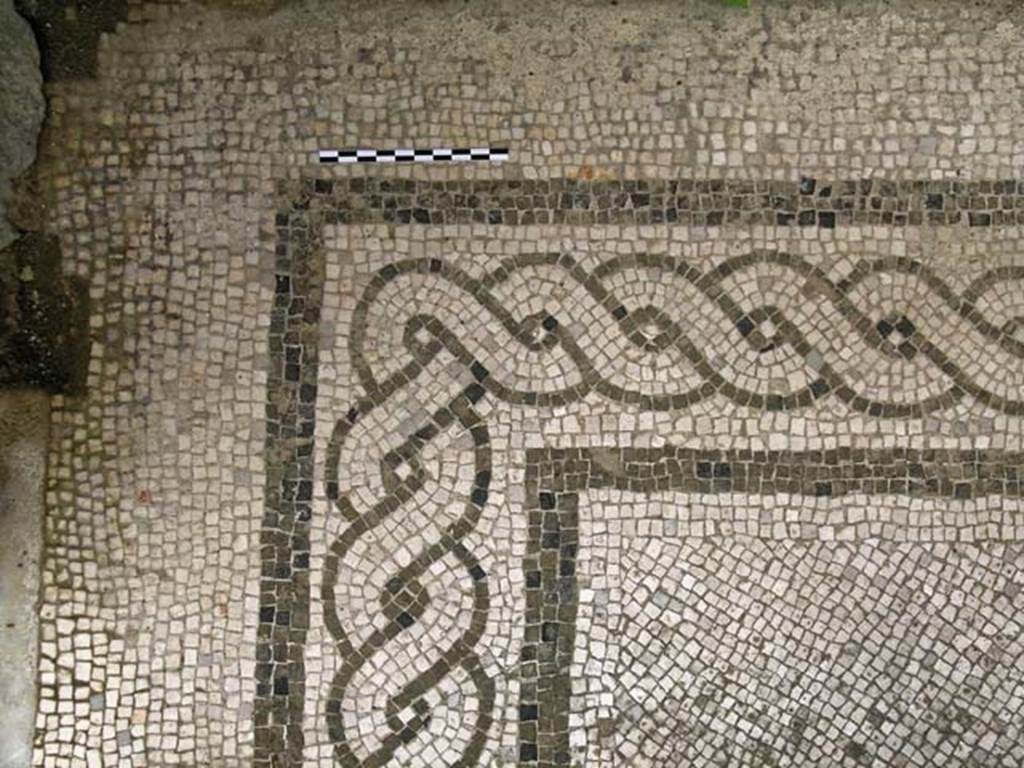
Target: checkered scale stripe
411,155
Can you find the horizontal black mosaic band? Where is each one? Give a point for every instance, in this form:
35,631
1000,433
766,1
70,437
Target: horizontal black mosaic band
809,202
903,471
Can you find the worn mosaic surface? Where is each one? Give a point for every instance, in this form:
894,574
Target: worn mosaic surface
691,435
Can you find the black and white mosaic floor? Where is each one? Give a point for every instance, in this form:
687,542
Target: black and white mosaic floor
710,498
690,435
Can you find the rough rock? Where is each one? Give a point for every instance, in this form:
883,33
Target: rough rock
22,105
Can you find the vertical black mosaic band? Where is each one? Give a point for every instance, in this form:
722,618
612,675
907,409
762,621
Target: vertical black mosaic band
551,603
284,536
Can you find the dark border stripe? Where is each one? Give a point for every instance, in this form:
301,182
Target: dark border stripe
910,472
552,598
698,202
284,535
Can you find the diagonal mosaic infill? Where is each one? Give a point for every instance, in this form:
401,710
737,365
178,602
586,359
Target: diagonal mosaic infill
765,652
554,478
785,721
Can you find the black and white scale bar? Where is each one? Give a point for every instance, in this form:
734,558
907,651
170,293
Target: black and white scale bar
411,155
